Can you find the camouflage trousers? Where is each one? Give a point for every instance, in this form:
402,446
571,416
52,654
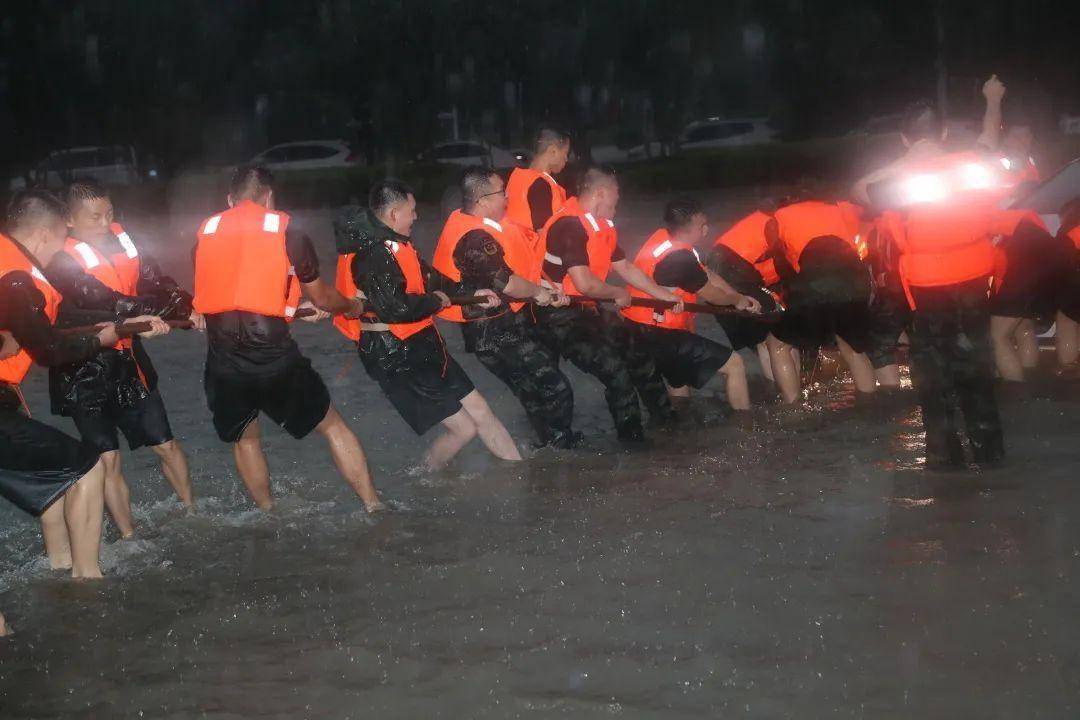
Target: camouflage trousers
600,344
952,368
509,348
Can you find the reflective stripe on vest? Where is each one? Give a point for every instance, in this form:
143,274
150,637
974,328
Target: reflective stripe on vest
803,222
241,263
408,261
515,252
13,259
600,246
746,239
652,253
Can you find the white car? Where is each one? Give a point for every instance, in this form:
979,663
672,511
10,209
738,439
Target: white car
468,153
112,166
716,132
307,155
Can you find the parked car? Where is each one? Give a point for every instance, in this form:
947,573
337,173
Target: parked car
308,155
467,153
111,165
717,132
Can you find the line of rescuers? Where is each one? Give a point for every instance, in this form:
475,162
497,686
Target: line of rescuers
931,259
936,260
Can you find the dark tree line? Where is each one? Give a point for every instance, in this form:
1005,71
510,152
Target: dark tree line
213,81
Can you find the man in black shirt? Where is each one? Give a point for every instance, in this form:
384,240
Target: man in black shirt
43,471
253,365
494,255
399,346
684,358
102,271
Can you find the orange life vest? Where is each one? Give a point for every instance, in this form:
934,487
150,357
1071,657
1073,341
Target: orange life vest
118,271
13,259
517,197
803,222
1074,235
343,281
602,239
655,249
407,259
946,244
241,263
519,258
746,239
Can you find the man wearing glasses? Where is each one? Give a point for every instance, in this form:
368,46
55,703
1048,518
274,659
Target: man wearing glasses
480,250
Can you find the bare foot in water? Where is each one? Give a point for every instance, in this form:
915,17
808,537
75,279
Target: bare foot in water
375,507
60,561
4,629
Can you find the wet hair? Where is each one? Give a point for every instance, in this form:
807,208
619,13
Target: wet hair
251,182
386,193
474,184
594,176
32,208
921,121
679,212
83,191
549,135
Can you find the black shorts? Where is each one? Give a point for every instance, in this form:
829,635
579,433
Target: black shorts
423,382
1067,295
682,357
296,399
38,463
745,332
145,424
1036,265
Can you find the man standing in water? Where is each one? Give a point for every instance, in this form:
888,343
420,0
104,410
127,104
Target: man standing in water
580,247
398,343
946,256
250,267
43,471
478,251
684,358
102,269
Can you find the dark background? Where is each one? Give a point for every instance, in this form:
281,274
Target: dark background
213,81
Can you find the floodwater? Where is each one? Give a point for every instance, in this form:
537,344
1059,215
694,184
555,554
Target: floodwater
805,567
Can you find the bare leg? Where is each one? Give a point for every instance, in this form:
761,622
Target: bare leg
1027,344
861,369
83,515
117,496
175,467
766,361
1067,340
492,432
349,457
785,369
55,532
678,393
251,464
738,392
4,629
888,376
460,430
1005,354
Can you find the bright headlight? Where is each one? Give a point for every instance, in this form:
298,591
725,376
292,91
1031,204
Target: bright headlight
976,176
924,189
